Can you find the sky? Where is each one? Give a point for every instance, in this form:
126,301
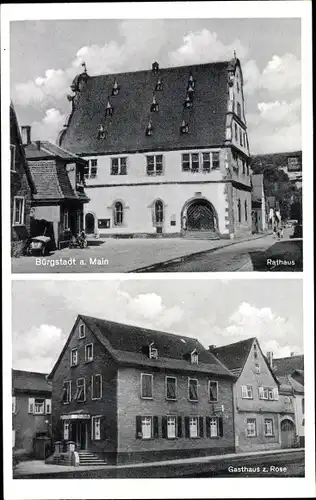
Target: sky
216,312
45,56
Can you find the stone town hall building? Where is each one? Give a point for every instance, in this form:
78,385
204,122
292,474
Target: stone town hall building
167,148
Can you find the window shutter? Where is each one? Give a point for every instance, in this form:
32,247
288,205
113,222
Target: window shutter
220,427
243,391
164,427
208,423
138,427
156,428
31,405
275,394
260,392
48,406
187,426
201,426
179,427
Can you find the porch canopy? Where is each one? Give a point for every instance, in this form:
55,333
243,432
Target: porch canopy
76,415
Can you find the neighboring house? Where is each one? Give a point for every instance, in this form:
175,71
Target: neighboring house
22,188
290,163
60,196
258,204
290,370
167,148
259,411
31,410
128,394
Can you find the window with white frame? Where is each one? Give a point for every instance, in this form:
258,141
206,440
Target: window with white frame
31,405
147,427
268,427
146,381
39,406
82,332
206,162
213,390
89,352
18,210
193,427
194,357
269,393
66,430
246,392
171,388
81,390
171,427
96,383
74,357
66,397
91,169
13,404
251,427
154,165
193,389
257,368
190,162
48,406
12,158
119,166
214,427
96,428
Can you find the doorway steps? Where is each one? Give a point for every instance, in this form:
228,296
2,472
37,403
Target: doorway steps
200,235
86,457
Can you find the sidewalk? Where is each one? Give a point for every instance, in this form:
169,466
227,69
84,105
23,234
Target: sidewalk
38,467
122,255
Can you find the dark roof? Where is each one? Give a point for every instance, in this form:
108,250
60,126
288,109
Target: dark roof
24,381
126,344
287,366
46,149
125,129
234,356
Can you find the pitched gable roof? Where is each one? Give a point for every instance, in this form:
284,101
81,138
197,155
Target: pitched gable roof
25,381
125,129
126,344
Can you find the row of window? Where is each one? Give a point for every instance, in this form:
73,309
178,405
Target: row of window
118,213
80,394
241,136
74,355
190,162
266,393
36,406
251,429
171,389
171,427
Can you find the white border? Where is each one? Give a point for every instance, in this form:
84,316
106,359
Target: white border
173,488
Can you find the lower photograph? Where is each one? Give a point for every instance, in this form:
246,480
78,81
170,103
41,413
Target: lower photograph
157,378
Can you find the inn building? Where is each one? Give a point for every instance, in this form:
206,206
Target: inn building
167,151
122,393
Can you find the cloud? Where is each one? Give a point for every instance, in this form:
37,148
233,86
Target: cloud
204,46
281,74
49,127
38,348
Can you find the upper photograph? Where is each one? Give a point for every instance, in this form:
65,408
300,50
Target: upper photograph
156,146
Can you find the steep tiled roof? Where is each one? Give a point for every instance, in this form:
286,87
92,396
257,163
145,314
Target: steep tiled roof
125,129
287,366
30,381
51,181
234,355
127,344
46,149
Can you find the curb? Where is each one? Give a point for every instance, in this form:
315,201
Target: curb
185,257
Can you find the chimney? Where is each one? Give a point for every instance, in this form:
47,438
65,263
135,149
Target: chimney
38,145
26,134
211,347
292,354
270,359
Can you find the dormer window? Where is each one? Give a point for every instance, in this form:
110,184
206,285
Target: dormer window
153,351
190,91
188,102
194,357
154,105
184,128
149,129
109,109
159,84
155,67
191,81
101,132
115,88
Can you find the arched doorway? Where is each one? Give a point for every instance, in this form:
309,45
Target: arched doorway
200,216
90,223
287,433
